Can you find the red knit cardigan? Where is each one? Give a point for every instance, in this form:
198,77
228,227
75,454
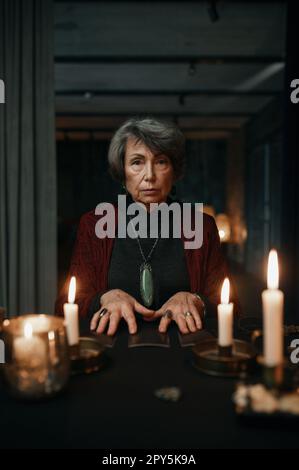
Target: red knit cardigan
90,261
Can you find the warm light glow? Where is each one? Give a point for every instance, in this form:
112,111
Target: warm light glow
72,290
273,274
224,228
221,234
225,291
51,335
28,330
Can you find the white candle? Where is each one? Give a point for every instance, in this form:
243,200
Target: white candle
29,350
71,315
272,299
225,317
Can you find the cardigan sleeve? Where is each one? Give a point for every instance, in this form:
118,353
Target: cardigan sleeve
216,270
83,267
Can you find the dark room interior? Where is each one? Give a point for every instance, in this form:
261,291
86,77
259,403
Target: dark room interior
223,75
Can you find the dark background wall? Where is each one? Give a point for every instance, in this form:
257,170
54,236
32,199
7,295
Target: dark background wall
263,186
84,181
224,81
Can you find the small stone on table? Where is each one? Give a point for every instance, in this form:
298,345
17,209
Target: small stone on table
168,393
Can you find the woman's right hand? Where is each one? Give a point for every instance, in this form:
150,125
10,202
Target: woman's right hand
119,305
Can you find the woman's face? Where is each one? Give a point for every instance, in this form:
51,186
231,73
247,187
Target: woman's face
149,177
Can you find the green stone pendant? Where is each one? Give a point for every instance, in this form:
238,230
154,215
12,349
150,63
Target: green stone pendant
146,284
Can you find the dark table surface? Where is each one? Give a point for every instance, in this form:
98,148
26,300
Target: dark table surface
116,407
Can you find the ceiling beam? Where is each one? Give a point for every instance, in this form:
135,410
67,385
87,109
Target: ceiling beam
91,130
110,123
169,59
185,93
164,1
174,115
106,135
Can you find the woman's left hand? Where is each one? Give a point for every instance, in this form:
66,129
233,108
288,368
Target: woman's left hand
185,309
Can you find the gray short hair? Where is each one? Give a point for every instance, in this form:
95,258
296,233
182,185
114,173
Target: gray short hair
159,136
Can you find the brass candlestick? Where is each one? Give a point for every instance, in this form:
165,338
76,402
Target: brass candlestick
225,351
230,361
88,356
279,377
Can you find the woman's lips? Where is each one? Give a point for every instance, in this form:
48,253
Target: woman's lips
149,190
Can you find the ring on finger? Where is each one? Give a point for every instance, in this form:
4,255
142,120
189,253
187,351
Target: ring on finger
168,314
188,314
103,312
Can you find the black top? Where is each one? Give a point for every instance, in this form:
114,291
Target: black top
168,264
169,268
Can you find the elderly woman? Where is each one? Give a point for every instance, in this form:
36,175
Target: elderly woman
157,278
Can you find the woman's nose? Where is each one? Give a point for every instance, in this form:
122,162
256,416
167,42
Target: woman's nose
149,172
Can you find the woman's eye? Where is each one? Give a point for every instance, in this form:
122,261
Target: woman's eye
136,162
162,162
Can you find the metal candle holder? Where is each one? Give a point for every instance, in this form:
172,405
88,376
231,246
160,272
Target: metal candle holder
229,361
36,366
280,377
87,356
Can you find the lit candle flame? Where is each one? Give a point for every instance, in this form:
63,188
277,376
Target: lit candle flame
72,290
273,274
28,330
225,291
